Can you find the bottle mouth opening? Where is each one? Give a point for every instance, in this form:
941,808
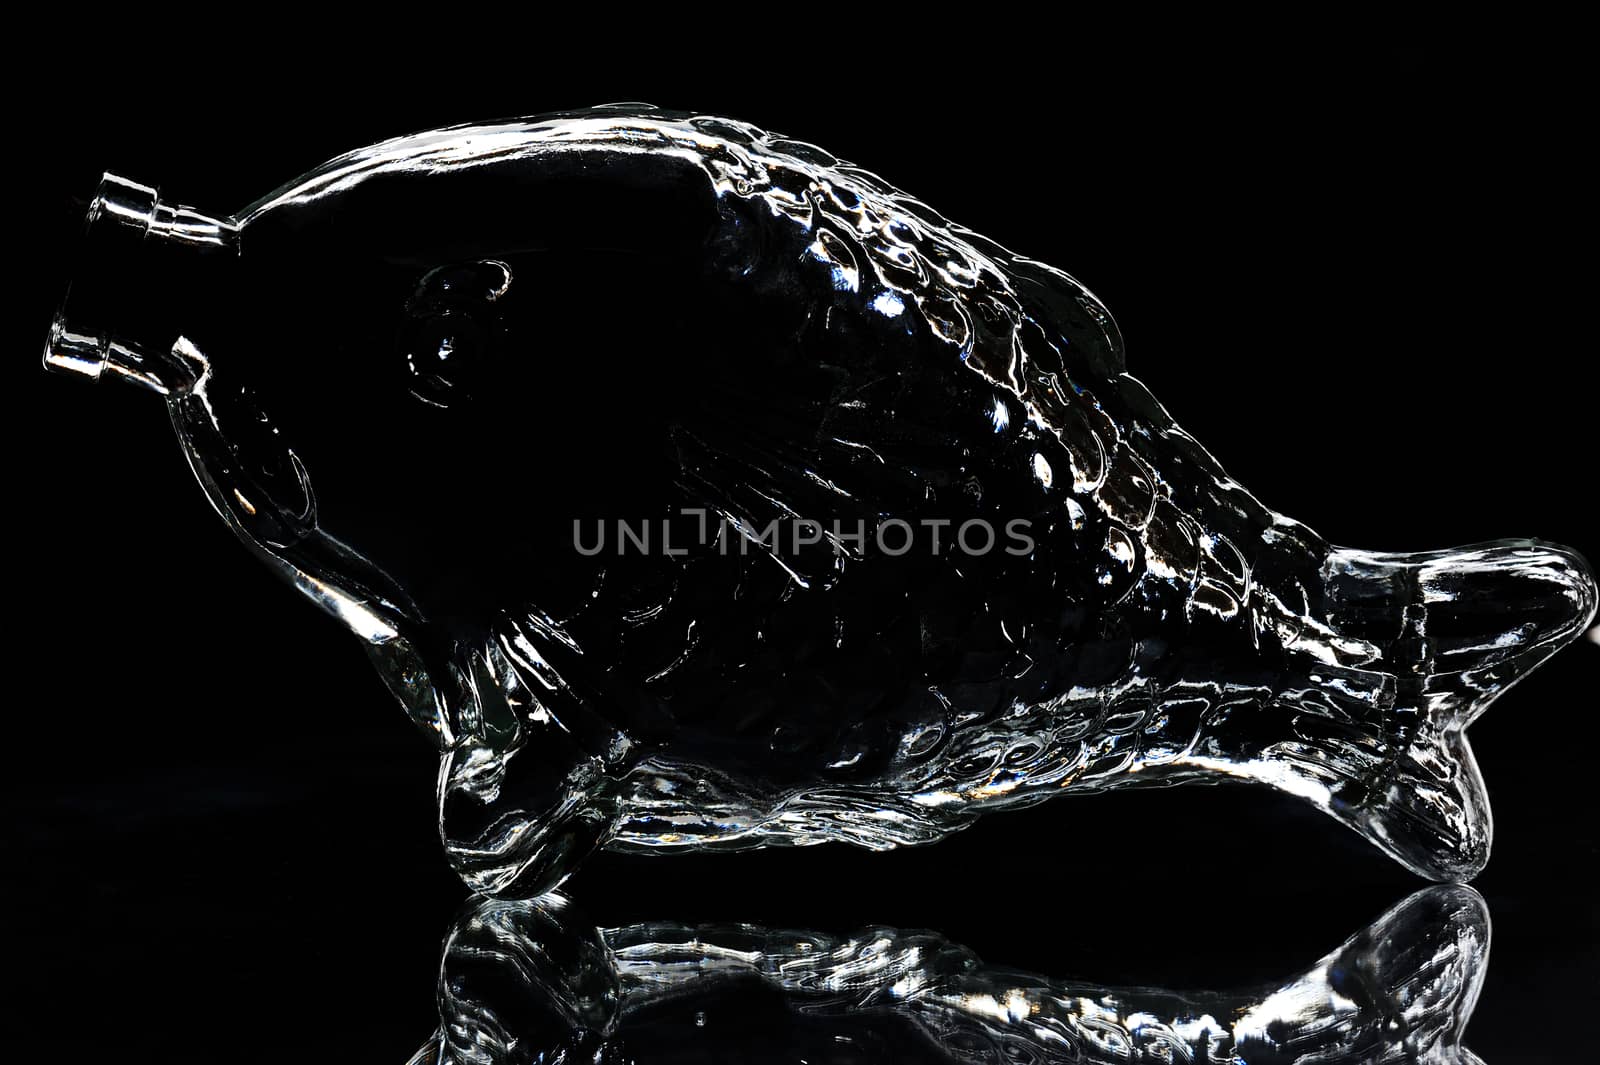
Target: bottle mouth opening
136,262
116,224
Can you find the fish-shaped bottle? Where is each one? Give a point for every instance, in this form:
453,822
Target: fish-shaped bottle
693,488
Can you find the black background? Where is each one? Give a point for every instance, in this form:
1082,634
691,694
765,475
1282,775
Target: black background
1361,276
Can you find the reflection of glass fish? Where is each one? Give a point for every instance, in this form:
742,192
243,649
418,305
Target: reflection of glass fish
473,341
530,981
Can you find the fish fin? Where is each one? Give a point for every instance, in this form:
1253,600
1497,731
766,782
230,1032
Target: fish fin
1457,628
1092,344
530,785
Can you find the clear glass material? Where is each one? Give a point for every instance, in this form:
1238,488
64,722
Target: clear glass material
532,982
422,381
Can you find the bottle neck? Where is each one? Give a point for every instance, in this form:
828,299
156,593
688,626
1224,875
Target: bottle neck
142,264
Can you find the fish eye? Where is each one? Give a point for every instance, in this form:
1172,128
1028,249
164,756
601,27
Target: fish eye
450,329
442,355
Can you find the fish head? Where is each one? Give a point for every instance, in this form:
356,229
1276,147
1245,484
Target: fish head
404,384
407,377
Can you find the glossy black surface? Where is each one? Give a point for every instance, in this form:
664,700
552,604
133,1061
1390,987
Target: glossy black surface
535,981
179,874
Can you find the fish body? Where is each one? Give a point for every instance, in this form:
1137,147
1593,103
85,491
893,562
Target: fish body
693,488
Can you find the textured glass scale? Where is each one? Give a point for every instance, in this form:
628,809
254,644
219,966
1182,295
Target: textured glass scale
424,380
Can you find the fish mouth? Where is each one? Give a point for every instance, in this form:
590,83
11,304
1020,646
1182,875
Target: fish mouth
137,260
115,225
71,351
